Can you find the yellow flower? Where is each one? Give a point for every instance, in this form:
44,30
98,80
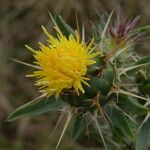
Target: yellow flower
62,63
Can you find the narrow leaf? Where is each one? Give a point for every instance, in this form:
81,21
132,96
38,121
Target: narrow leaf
143,60
120,121
131,106
36,108
63,26
142,29
145,87
78,126
143,136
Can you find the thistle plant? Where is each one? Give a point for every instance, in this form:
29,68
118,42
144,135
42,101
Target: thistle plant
101,85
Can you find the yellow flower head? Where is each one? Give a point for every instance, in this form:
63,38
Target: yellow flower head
62,63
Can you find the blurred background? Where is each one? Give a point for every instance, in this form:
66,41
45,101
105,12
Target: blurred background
20,24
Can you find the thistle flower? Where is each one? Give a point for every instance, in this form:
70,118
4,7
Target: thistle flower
118,83
121,32
62,63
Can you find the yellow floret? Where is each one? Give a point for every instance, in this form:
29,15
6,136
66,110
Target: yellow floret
63,63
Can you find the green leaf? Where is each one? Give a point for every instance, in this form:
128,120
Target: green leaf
143,60
102,83
120,121
91,91
36,108
117,134
63,26
142,29
94,69
144,83
96,34
143,136
148,72
131,106
139,78
145,87
78,126
76,100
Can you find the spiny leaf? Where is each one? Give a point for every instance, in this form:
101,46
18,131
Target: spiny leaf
142,29
143,136
143,60
36,108
63,26
95,34
103,37
117,134
131,106
120,121
76,100
106,81
145,87
140,63
144,83
78,126
100,84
